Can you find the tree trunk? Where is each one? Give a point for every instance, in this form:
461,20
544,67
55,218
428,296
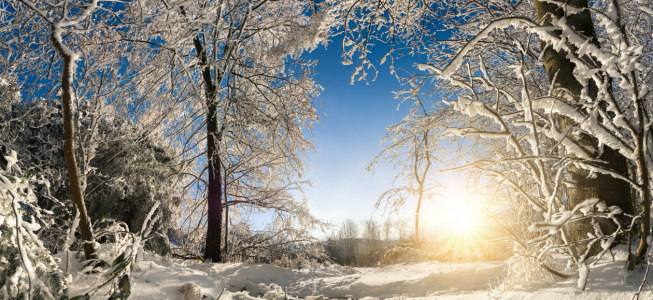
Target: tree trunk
419,206
67,76
421,178
646,203
644,175
212,249
608,189
226,219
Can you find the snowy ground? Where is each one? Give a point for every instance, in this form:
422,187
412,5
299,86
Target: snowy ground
155,278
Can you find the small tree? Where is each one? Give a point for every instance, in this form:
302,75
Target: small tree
252,100
411,148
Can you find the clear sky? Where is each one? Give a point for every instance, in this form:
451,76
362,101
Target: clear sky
349,137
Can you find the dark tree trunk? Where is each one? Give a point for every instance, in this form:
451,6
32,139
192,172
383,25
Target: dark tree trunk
67,75
608,189
212,249
226,218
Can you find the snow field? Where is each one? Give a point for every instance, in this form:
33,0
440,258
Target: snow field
157,278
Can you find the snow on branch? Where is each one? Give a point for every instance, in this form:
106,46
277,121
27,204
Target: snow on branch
459,58
588,123
29,268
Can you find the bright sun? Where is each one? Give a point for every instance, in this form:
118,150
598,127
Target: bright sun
459,216
464,223
456,217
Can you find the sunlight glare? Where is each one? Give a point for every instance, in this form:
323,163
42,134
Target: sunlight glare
457,215
464,223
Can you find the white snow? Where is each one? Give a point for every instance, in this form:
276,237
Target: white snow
11,160
160,278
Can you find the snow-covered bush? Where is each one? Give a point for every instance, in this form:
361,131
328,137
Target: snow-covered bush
525,268
131,176
281,248
27,270
127,172
289,234
123,252
406,252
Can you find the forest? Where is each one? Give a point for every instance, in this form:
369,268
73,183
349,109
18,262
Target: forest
143,142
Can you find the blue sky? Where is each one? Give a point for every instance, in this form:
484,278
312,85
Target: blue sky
349,137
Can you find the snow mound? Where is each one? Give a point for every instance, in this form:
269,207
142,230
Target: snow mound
191,291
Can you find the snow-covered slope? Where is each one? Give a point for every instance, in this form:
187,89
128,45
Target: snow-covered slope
157,278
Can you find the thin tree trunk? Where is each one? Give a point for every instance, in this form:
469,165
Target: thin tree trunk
67,76
419,205
420,186
608,189
421,178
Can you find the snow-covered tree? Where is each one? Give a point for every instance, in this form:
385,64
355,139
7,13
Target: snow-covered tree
163,67
255,95
97,73
402,226
57,25
371,233
411,149
557,91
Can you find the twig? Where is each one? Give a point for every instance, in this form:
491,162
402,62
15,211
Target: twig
220,294
636,296
187,257
554,272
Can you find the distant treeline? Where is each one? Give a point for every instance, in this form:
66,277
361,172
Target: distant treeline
371,243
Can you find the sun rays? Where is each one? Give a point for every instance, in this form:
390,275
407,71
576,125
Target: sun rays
455,218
